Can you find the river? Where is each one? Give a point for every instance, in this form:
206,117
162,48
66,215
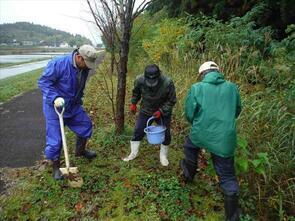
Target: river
22,68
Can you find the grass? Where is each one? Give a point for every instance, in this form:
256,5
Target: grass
113,189
141,189
13,86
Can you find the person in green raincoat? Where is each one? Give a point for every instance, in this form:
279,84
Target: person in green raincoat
211,108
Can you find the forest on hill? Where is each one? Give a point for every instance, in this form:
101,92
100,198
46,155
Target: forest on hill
24,33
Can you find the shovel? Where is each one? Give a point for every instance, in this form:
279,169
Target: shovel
67,170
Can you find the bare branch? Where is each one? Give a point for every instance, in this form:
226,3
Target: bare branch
95,17
105,19
141,8
115,22
111,14
136,32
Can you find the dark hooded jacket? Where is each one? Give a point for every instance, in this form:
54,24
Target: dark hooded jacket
161,97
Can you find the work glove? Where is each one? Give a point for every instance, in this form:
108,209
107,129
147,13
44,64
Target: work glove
59,102
157,114
133,108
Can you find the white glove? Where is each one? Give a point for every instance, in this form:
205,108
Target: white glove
59,102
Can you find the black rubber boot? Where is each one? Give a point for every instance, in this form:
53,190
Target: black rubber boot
189,170
231,208
81,151
57,175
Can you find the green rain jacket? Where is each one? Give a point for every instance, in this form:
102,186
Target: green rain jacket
162,97
212,106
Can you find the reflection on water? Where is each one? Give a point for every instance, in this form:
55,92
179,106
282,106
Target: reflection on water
22,68
27,57
21,58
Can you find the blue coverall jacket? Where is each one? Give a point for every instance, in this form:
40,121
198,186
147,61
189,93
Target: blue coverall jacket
62,79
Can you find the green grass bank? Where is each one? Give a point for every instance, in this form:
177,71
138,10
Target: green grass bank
15,85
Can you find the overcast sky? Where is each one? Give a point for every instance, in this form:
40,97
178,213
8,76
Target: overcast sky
63,15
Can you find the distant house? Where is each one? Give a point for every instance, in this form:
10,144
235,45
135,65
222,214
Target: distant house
27,43
64,45
15,43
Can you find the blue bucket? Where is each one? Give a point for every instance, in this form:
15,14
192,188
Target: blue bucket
155,134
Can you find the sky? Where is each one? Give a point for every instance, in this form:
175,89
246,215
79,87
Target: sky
65,15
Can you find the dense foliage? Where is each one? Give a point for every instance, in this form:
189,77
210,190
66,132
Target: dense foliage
263,68
278,14
38,34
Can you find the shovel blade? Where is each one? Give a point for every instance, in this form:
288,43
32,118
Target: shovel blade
76,183
67,171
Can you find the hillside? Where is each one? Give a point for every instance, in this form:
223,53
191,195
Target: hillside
24,33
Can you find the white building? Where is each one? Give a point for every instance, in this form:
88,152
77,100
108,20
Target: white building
64,45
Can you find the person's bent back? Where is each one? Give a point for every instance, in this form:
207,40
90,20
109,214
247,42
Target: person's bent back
211,107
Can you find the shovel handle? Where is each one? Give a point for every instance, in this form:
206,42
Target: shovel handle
63,136
59,113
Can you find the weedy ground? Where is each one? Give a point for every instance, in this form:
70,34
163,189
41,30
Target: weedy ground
113,189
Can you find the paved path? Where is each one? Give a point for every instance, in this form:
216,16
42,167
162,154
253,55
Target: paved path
22,130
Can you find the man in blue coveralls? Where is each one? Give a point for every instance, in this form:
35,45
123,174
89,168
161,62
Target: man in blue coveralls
62,84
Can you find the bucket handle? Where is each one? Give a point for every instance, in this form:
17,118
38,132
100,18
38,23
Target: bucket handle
151,118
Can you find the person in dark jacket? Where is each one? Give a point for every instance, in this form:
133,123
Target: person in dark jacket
212,107
62,84
157,94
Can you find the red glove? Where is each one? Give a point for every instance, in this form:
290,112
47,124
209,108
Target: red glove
157,114
133,108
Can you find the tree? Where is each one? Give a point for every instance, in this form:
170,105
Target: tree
115,18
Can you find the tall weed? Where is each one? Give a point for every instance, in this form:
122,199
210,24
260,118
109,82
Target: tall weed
263,68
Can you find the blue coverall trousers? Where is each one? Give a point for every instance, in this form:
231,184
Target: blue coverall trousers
80,124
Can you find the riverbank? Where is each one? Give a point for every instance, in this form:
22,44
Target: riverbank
20,69
16,85
5,50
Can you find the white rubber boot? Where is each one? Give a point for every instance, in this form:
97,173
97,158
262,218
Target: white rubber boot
164,155
134,145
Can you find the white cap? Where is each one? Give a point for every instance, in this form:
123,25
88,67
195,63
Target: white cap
89,55
208,65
